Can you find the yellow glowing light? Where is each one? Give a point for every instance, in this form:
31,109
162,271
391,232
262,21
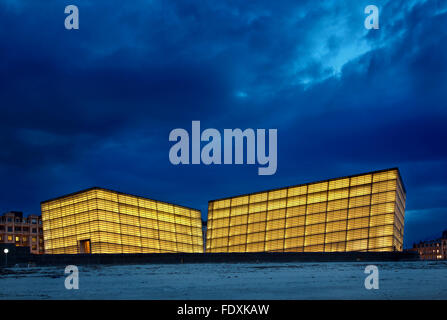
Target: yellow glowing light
358,213
113,222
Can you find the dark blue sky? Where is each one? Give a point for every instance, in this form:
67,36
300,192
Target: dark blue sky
94,106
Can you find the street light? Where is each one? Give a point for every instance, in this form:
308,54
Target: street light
6,256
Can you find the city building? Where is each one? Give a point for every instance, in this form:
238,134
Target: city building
22,231
98,220
433,249
362,212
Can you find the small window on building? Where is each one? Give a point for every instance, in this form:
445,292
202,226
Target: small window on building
33,221
34,230
17,229
25,229
9,238
9,229
34,239
25,239
17,239
9,220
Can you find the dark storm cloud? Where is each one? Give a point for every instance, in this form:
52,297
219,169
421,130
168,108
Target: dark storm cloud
95,106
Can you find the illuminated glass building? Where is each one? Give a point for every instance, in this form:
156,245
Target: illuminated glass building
98,220
357,213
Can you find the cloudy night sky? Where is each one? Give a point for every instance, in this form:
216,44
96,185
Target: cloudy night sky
95,106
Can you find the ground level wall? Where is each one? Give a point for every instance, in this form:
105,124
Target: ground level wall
82,259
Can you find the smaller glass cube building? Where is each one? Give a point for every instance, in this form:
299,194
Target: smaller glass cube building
363,212
99,220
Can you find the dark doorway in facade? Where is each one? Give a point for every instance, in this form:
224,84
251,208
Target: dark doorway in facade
85,246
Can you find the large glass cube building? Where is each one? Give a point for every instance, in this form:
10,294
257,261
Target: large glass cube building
362,212
98,220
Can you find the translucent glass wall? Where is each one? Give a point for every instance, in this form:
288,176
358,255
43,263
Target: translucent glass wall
357,213
119,223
